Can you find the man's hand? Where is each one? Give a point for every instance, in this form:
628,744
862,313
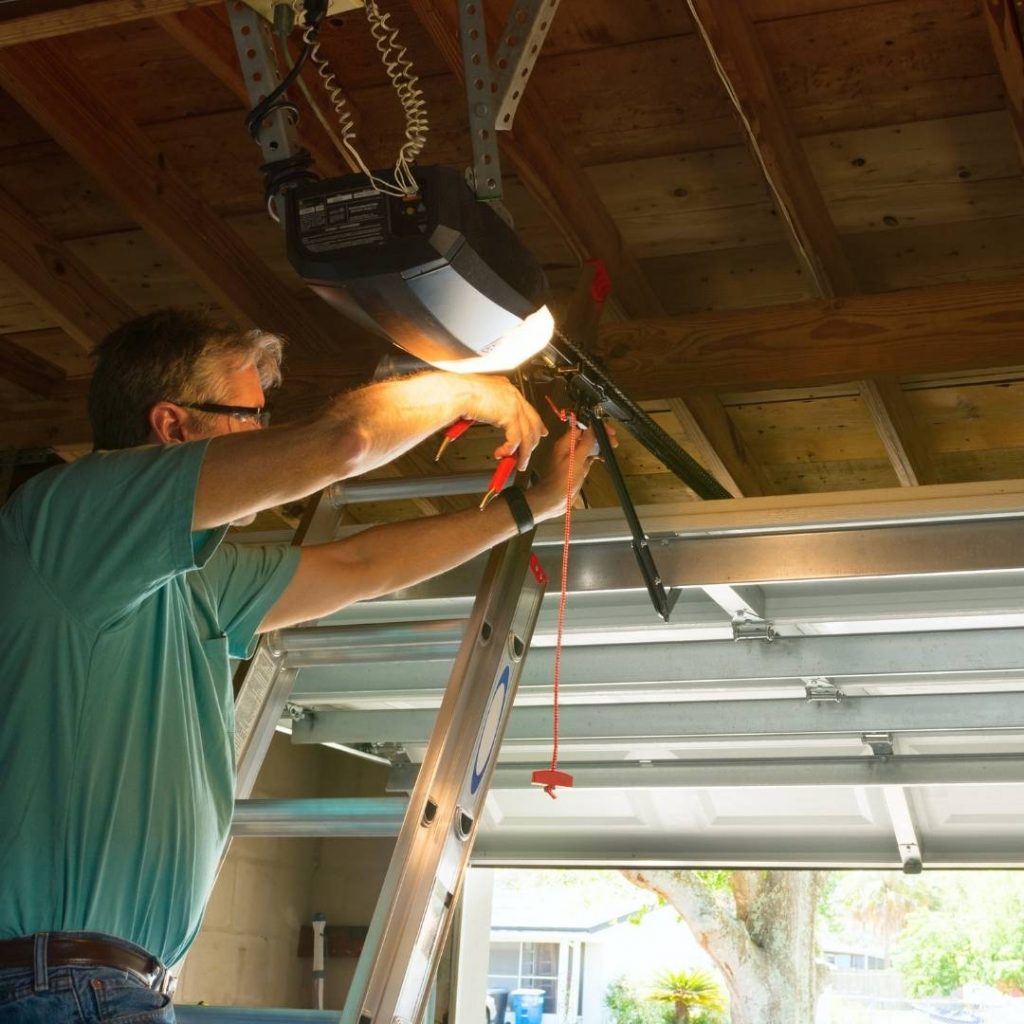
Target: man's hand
547,497
496,401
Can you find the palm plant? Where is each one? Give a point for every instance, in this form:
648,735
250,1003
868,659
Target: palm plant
688,991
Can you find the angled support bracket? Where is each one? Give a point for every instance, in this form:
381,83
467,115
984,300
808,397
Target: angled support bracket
902,818
491,100
525,31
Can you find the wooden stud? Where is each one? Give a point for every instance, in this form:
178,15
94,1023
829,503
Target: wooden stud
720,445
897,427
1004,21
81,17
22,367
56,279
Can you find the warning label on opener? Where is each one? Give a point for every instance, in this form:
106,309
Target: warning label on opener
341,221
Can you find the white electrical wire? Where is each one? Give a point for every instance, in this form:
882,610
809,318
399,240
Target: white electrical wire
405,83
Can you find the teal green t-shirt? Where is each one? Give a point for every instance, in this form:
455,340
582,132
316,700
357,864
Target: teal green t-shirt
116,739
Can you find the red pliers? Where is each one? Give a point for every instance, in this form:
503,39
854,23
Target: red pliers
506,466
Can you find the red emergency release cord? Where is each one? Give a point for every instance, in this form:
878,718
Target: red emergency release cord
551,778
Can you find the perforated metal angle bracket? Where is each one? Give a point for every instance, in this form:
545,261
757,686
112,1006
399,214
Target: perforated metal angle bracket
480,90
525,31
260,71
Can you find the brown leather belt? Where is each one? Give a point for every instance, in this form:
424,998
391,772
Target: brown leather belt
63,950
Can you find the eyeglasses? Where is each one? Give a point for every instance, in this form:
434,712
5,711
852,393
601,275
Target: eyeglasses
257,414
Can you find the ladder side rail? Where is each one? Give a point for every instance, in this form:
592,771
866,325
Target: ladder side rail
417,902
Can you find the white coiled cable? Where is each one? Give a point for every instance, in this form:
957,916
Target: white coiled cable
405,83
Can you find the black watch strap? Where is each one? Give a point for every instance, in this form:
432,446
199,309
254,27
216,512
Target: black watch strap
520,508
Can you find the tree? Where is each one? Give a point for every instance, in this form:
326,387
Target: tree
881,902
758,928
686,991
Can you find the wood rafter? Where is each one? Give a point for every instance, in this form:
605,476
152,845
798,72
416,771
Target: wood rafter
208,39
47,80
1005,22
22,367
56,280
81,17
731,41
942,329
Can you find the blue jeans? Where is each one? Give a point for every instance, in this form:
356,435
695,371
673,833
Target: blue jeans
79,995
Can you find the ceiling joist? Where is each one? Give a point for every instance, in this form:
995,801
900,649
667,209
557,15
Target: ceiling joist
1004,21
56,280
943,329
95,14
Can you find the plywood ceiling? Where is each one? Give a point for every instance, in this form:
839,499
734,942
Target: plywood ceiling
812,211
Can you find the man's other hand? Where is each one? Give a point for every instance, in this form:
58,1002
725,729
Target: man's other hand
547,496
496,401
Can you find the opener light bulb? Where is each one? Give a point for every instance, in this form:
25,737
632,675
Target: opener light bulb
511,349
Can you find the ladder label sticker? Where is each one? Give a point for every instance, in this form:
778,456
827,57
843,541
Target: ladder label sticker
489,733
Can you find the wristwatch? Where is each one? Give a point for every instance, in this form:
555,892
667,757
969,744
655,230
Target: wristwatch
520,508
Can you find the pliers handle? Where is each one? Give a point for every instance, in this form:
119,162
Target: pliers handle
506,466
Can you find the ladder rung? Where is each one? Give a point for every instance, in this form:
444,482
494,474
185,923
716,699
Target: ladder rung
434,639
365,817
355,491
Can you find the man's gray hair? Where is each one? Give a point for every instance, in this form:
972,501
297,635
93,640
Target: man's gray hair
170,355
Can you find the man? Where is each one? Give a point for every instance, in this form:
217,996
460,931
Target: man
120,609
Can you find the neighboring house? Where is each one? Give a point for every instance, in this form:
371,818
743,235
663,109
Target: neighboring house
860,970
574,953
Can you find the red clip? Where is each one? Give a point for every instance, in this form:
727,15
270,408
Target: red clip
506,467
600,283
453,433
538,571
551,779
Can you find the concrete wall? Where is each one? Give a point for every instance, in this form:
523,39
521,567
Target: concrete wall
245,954
349,872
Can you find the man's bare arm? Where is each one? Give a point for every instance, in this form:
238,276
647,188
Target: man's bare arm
398,555
246,472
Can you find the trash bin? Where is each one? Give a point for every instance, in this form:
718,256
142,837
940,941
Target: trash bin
497,1004
527,1005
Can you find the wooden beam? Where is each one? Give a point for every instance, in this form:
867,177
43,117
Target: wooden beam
47,80
208,39
542,159
713,431
942,329
22,367
904,443
1004,21
55,279
743,69
81,17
